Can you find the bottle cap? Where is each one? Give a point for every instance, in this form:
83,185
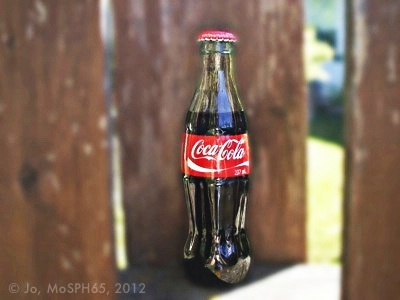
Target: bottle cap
217,36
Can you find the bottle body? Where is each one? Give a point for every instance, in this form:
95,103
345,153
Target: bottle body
215,166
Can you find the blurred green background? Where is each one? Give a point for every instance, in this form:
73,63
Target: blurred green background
324,52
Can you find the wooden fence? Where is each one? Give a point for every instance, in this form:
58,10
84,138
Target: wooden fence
55,209
157,68
55,224
372,224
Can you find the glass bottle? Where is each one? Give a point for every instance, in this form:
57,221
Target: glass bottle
216,167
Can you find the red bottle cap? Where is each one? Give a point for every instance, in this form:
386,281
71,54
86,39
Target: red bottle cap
217,36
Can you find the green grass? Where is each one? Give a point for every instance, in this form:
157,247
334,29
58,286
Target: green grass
324,205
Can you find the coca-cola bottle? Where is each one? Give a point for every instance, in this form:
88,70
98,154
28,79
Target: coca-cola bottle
215,167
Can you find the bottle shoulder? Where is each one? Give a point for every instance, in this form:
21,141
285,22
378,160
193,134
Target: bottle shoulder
215,123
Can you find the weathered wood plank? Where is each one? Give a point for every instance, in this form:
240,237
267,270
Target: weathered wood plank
372,205
157,64
54,193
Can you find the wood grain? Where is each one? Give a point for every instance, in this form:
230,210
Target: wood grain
157,67
372,205
55,225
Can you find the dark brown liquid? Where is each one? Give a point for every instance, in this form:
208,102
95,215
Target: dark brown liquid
217,248
227,123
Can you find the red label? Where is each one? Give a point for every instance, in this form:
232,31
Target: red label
214,156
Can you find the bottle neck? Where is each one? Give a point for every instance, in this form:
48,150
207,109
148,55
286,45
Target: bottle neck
217,62
217,91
